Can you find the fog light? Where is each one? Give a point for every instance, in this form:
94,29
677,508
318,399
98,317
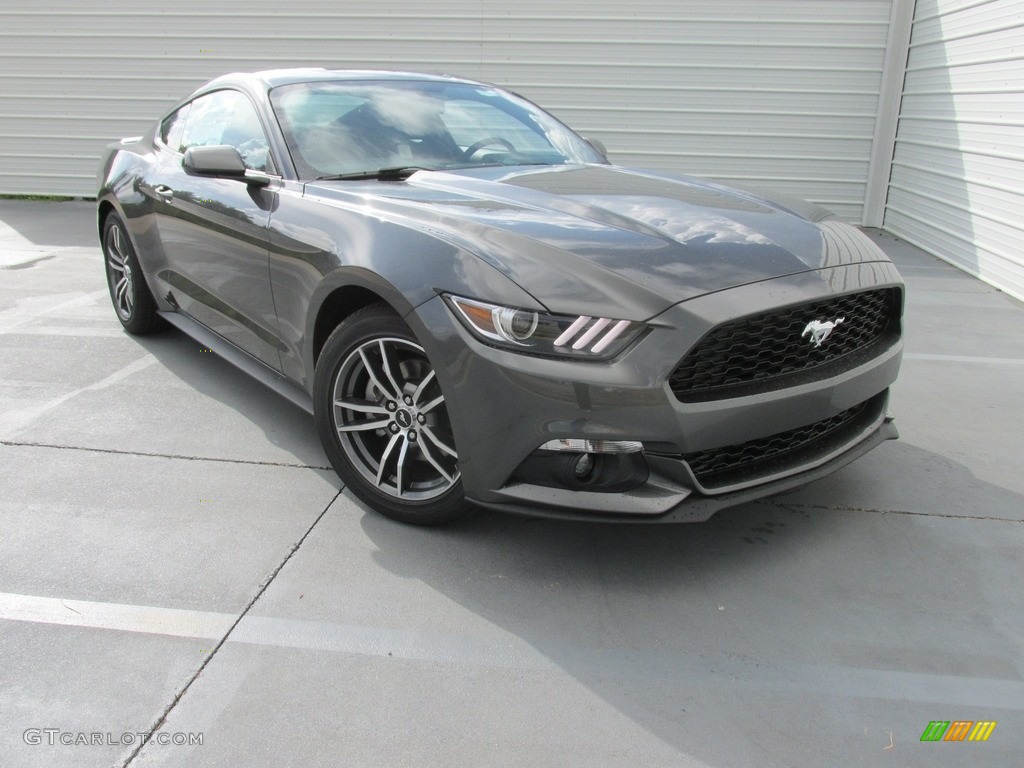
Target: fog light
576,445
578,467
584,466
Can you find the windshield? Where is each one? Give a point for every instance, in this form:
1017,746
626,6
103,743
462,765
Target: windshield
352,127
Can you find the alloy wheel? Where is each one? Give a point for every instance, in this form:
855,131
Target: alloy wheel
391,420
120,272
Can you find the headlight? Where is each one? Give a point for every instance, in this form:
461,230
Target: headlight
541,333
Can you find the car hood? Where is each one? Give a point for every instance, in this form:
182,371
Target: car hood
589,238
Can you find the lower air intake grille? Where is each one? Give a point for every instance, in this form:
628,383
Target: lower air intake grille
731,464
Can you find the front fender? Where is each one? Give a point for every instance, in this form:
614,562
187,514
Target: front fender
319,248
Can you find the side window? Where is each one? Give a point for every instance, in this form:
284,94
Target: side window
172,128
227,117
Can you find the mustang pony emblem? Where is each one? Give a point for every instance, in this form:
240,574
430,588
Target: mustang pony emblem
820,331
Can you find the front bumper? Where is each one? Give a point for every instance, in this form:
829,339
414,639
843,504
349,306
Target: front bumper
662,500
505,405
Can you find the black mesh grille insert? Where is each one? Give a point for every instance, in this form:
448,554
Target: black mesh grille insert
773,350
729,464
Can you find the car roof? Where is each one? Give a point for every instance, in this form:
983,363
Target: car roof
271,78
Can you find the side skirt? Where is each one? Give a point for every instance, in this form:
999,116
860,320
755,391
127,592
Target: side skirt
242,360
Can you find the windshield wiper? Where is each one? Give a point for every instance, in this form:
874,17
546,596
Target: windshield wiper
397,173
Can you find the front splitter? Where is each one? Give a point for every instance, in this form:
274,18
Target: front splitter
664,502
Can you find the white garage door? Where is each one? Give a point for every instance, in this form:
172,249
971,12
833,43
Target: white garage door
957,186
775,93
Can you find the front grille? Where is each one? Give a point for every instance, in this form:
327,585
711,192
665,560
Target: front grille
730,464
773,350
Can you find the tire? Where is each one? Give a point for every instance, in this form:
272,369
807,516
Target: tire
133,303
383,422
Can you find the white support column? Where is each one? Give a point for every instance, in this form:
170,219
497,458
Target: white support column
890,95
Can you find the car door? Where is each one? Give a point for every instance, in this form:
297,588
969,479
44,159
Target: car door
214,231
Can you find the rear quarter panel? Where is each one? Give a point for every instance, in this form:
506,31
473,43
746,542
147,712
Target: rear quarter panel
123,177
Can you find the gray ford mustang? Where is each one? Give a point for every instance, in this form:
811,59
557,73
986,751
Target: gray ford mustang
478,308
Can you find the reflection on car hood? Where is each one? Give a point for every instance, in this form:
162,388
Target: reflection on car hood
597,236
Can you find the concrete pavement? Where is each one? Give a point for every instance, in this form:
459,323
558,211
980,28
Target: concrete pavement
178,565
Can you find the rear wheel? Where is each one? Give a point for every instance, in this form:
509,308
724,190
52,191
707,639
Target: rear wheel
129,293
383,421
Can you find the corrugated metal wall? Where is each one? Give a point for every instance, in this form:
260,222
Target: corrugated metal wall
779,94
957,186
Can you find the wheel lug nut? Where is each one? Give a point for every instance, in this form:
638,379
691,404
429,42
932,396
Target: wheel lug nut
412,435
391,405
408,400
421,419
393,427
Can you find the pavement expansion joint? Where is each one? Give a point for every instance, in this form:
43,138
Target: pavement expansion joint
209,657
290,465
846,508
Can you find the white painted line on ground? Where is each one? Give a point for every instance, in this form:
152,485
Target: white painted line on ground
14,421
110,331
122,618
509,651
29,310
964,359
417,645
280,633
23,258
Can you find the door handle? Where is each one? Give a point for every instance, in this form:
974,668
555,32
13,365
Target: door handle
163,191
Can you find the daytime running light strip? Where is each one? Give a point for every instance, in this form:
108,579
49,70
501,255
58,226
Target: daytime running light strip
593,332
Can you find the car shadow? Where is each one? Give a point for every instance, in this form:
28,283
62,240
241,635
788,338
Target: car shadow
287,427
717,637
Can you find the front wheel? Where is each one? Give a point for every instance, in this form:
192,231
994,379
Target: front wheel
383,421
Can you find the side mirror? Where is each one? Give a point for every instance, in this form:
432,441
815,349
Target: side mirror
220,160
598,145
